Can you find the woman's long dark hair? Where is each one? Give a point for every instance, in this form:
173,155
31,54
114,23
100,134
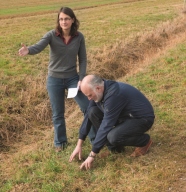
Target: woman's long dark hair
70,13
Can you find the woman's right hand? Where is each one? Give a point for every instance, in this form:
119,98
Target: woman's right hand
23,51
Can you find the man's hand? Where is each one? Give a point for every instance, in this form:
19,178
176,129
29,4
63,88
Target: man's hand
77,150
87,163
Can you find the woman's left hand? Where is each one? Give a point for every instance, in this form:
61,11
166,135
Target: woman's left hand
79,85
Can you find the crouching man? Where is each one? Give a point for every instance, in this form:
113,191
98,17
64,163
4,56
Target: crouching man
121,115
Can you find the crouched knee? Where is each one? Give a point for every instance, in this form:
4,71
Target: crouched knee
112,139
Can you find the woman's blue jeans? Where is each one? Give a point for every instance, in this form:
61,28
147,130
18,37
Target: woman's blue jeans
56,91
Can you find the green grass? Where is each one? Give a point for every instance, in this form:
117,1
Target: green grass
44,170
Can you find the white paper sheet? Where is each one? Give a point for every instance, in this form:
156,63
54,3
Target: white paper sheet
72,92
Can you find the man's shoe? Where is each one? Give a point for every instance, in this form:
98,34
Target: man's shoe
141,150
118,149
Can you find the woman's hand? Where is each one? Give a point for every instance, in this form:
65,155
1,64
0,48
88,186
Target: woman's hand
23,51
79,85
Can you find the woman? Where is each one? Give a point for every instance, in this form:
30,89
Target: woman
66,45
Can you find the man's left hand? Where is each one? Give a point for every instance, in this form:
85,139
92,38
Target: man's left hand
87,163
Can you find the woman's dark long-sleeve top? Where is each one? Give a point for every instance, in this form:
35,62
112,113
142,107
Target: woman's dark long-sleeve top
120,101
63,57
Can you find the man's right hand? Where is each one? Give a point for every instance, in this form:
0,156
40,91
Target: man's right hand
77,150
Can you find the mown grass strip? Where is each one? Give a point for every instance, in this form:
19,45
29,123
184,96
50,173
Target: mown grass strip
44,8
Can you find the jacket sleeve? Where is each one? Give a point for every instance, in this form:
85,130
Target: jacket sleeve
86,124
112,109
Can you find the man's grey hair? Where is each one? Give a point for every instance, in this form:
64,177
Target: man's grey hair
95,81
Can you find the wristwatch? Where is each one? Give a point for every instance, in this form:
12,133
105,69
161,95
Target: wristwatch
93,156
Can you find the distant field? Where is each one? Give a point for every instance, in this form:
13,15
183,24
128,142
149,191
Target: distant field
16,8
142,42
